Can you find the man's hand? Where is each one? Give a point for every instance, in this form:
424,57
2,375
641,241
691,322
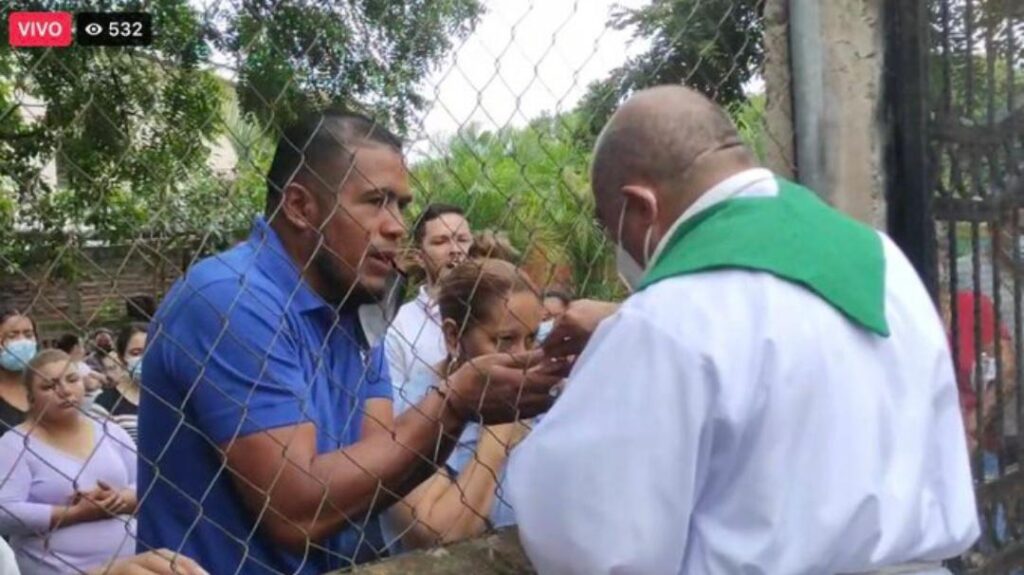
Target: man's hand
160,562
502,387
572,331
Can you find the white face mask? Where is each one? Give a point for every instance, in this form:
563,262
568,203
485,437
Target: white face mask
631,272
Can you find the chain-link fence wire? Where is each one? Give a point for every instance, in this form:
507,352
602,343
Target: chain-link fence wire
125,169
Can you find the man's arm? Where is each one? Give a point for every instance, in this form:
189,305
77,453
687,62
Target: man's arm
304,496
607,481
307,496
378,418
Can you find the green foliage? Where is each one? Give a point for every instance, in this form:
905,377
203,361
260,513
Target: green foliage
534,184
131,130
749,119
122,126
976,88
714,46
302,54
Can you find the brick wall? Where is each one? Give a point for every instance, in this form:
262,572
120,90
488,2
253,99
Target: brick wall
80,289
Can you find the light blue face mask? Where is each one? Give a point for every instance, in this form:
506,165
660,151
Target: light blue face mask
16,354
135,369
544,330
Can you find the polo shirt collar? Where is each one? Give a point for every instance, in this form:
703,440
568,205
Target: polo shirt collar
279,267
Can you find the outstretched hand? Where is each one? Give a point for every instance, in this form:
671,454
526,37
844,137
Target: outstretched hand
502,387
572,331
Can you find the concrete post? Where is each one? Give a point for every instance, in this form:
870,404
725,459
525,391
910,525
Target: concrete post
837,115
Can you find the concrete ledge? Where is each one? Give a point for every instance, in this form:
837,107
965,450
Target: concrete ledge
494,554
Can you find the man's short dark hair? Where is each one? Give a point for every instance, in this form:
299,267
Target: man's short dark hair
429,214
320,146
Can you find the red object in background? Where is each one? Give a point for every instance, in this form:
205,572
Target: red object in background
967,350
39,29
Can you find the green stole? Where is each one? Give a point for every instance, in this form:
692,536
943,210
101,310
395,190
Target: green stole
794,236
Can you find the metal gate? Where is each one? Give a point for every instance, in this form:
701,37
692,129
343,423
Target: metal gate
956,84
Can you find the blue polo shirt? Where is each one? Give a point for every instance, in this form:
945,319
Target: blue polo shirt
239,345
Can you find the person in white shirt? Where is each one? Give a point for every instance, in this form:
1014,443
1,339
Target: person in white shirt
441,239
776,396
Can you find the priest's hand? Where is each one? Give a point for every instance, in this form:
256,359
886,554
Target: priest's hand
502,387
572,331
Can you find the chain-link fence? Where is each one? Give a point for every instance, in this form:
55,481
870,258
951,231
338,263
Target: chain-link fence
169,202
124,167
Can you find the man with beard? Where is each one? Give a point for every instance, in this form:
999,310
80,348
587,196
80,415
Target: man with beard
266,436
442,239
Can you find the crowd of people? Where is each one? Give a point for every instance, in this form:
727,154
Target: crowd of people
258,424
69,493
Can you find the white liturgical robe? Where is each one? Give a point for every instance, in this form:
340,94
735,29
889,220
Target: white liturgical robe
734,422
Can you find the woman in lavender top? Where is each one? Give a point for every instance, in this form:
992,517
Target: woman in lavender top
67,482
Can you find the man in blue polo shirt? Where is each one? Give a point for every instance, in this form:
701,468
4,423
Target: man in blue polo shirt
266,436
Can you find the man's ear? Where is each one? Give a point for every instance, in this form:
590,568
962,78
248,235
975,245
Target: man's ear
645,200
300,207
451,337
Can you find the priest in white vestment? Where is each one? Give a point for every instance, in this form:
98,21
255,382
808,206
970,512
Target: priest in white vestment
776,397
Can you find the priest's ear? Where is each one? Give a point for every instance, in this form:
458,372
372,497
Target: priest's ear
451,338
644,201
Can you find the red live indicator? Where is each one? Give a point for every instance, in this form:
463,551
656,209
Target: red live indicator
39,29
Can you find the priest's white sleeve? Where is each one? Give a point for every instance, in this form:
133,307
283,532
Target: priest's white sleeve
606,482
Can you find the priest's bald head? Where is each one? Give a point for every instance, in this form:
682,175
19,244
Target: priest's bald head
657,155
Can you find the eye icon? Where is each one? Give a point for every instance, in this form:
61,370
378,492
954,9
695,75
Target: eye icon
93,29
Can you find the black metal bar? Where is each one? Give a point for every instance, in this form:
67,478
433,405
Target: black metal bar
968,104
977,375
993,229
997,301
990,209
947,60
909,190
1018,328
1011,100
